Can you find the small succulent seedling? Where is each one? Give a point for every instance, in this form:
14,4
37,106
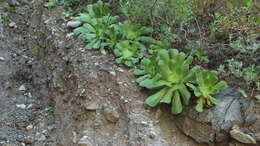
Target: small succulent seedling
9,8
159,45
127,53
129,40
207,85
113,36
130,31
251,74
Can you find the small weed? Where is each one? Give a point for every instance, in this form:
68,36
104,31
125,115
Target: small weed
35,49
67,14
195,51
3,17
235,67
246,45
251,75
9,8
51,3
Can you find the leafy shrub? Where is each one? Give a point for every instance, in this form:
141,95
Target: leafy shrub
251,75
236,16
207,86
195,51
174,11
247,45
235,67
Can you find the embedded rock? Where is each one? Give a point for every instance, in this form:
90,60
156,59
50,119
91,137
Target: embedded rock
213,124
111,115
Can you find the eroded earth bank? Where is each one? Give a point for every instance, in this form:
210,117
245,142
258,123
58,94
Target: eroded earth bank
54,92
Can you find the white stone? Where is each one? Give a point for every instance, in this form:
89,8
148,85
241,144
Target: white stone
22,88
69,35
103,51
2,59
242,137
22,106
85,141
120,69
12,25
74,24
29,127
113,73
93,106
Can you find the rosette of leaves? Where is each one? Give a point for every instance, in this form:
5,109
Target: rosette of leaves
97,10
147,69
113,36
96,22
207,85
168,73
127,53
131,42
94,31
159,45
131,32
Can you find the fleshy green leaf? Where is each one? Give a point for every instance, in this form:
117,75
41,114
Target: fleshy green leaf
155,98
185,94
199,106
176,103
167,98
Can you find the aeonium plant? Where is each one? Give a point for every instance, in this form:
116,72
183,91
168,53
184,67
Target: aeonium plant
127,53
167,73
205,86
94,31
94,11
97,23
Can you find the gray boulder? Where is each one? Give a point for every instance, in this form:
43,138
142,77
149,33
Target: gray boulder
214,124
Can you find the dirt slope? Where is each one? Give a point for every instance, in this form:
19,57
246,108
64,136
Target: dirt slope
54,92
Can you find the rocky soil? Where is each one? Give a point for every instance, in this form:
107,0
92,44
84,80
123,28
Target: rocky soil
53,92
